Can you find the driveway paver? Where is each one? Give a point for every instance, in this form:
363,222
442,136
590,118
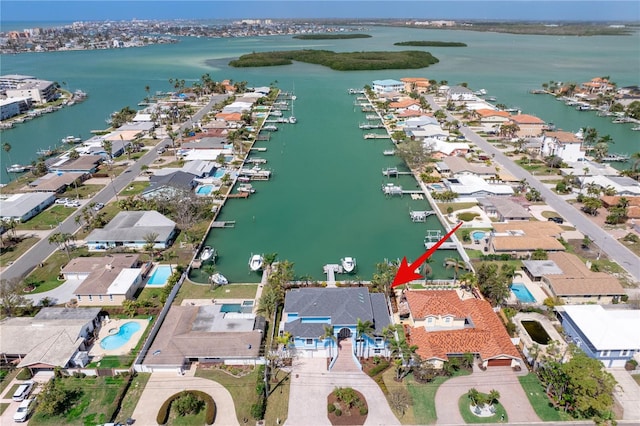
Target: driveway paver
162,385
502,379
311,383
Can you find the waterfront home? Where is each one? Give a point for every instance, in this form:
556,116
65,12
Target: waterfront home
608,335
416,84
467,185
206,142
167,186
199,168
454,165
522,238
490,117
54,182
229,117
387,86
83,164
22,207
40,91
54,337
441,149
443,325
406,104
622,185
220,333
633,204
565,145
237,107
504,209
627,95
460,93
577,284
598,85
529,125
132,229
14,106
309,312
104,281
421,122
427,132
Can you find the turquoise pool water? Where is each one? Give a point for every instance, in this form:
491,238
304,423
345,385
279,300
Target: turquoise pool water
522,293
160,275
123,335
478,235
219,173
204,189
437,186
231,307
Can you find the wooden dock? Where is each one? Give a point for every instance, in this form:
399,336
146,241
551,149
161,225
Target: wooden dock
256,160
376,136
264,137
224,224
420,215
239,195
259,149
331,270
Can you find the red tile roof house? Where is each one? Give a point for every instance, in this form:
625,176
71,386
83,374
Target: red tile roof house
530,126
490,116
442,326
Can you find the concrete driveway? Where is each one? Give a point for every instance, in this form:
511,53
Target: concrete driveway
627,393
502,379
311,383
162,385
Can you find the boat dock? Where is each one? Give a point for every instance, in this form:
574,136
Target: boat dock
331,270
224,224
373,117
263,137
239,195
259,149
392,189
256,160
614,158
432,238
377,136
367,126
255,173
420,215
393,172
389,152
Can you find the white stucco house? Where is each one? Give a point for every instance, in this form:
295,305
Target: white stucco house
562,144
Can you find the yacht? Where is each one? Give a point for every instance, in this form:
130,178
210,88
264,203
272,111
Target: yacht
389,152
246,187
219,279
635,128
293,120
208,253
276,113
255,262
348,264
71,139
270,128
17,168
480,92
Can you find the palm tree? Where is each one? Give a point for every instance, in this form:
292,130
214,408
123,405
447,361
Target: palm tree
7,148
456,265
328,334
364,329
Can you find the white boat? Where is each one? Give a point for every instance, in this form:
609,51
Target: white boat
219,279
246,187
71,139
17,168
491,98
276,113
389,152
255,262
348,264
480,92
635,128
208,253
270,128
293,120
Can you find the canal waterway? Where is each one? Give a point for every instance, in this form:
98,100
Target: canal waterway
324,200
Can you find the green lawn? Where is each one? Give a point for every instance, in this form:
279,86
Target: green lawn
636,377
11,391
132,396
278,401
46,278
408,417
474,254
3,407
539,399
424,399
48,219
12,253
242,389
87,190
455,206
134,188
97,402
7,379
200,291
500,415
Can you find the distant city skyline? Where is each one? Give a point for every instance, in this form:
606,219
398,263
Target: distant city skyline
529,10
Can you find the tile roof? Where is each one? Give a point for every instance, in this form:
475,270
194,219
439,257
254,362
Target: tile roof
491,113
487,337
563,137
526,119
520,236
578,280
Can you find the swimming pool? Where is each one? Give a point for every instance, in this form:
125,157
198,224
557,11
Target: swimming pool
219,173
477,235
244,308
159,276
123,335
522,293
437,186
204,189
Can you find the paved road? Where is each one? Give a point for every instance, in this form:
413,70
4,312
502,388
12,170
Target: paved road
616,251
42,249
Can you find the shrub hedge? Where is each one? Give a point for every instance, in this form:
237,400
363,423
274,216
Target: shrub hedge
24,374
210,414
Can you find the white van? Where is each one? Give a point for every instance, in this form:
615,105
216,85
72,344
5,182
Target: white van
23,390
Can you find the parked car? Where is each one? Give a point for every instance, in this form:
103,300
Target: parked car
98,206
23,390
61,200
556,219
72,203
24,410
161,151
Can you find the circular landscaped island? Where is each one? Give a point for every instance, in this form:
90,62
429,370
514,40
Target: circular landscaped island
347,406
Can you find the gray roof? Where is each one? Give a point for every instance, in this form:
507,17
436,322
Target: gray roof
199,167
343,305
178,180
140,125
206,143
84,314
134,226
304,330
539,268
20,204
505,207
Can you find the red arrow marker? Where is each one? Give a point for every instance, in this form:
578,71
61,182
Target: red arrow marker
407,272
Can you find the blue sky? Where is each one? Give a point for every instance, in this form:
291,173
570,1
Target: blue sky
64,10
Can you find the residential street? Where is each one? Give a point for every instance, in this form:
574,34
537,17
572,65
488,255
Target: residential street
42,249
615,251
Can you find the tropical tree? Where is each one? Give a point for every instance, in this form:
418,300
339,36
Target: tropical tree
11,295
405,356
364,330
150,243
329,335
6,147
456,265
62,239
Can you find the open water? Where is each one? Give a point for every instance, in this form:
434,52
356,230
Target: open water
324,201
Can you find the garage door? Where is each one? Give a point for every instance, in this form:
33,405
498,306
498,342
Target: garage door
500,362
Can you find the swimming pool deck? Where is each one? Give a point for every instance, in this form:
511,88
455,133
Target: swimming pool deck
96,350
534,288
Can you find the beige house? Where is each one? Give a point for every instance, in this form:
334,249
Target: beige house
577,284
520,239
492,117
107,280
530,126
416,84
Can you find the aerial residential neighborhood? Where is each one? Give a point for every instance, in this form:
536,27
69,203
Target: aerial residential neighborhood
124,300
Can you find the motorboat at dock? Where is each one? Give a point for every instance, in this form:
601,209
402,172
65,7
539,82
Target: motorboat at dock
255,262
208,253
348,264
